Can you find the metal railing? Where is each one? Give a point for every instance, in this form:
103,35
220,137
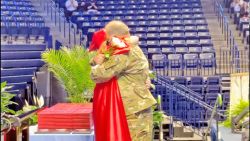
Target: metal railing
57,17
183,104
233,62
235,59
190,67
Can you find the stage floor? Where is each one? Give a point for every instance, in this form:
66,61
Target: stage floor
227,135
33,136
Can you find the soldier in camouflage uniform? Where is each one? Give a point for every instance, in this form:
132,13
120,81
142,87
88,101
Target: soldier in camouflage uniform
131,71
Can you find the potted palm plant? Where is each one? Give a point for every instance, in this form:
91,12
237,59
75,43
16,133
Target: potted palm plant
10,117
5,110
71,68
236,110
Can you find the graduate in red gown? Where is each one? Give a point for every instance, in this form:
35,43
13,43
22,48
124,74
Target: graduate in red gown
109,116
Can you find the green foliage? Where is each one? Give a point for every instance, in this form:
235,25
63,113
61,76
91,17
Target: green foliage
6,99
219,100
152,74
236,110
71,67
33,119
158,116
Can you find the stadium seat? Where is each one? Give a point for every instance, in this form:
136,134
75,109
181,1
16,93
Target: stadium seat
159,61
197,88
143,23
193,42
206,42
163,17
129,18
190,28
96,19
181,50
153,29
145,51
208,49
132,24
165,36
166,43
196,50
208,63
18,71
21,63
198,16
141,17
140,29
152,36
202,28
175,64
153,17
153,44
17,79
143,44
191,61
166,29
212,91
196,80
178,28
187,17
27,47
191,35
152,51
201,22
178,43
204,35
213,80
168,50
20,55
177,22
181,80
178,35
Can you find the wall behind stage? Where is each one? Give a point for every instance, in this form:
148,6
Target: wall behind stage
239,88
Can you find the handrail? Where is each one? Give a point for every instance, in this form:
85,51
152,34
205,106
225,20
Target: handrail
58,18
178,93
228,34
190,96
181,87
217,103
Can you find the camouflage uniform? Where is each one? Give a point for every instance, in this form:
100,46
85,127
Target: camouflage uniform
132,72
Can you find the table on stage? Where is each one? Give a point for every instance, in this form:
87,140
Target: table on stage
59,136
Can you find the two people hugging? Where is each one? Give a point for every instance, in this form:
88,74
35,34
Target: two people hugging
122,102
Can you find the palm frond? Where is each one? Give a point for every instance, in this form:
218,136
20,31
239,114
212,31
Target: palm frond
236,110
71,67
6,99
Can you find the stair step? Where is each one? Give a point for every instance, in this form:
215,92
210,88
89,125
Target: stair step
164,130
195,138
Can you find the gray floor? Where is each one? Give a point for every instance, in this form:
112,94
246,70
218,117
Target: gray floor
227,135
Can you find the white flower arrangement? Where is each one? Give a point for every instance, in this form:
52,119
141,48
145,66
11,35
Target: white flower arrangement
118,42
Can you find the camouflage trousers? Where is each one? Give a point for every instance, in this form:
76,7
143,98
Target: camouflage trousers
141,125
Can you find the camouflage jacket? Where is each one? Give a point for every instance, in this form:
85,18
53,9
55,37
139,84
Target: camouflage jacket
132,72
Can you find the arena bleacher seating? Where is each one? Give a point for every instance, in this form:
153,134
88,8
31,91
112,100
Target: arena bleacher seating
207,89
171,27
24,37
173,35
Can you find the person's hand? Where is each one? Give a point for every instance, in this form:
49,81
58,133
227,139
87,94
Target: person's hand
148,83
98,59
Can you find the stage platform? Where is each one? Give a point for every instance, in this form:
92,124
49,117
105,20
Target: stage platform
59,136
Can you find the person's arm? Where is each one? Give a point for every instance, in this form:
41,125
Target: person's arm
75,4
94,6
67,4
110,68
